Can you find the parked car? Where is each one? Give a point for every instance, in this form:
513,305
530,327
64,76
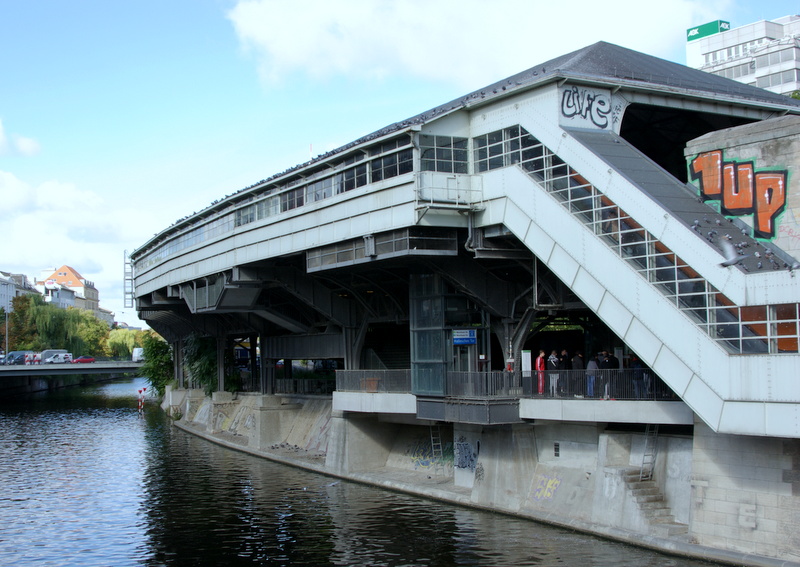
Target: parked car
17,356
83,359
59,358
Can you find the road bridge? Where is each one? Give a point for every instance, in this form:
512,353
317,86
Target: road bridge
38,370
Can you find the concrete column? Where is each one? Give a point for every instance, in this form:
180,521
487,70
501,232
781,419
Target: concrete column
177,361
221,364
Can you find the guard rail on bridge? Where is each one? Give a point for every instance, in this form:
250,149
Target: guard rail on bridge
123,367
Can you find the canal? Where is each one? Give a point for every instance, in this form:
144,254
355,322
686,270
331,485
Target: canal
89,480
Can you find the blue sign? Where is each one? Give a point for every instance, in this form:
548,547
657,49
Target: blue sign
464,337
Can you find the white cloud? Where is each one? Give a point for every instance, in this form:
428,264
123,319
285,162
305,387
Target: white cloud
467,42
3,140
21,145
26,146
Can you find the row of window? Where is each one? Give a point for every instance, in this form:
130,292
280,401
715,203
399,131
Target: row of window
733,51
776,57
737,71
437,153
291,195
776,79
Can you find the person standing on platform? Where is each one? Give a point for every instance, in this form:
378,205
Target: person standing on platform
577,375
591,374
540,366
564,374
552,372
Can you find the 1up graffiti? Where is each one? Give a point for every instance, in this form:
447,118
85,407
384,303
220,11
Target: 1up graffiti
587,104
741,190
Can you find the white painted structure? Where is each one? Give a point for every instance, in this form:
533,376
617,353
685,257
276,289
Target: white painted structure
456,236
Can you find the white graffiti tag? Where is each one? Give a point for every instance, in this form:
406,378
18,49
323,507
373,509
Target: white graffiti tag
587,104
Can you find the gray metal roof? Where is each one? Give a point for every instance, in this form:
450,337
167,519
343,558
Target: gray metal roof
601,62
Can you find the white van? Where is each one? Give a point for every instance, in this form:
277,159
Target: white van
138,355
59,358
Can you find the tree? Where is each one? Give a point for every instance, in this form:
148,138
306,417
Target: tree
121,342
158,364
22,333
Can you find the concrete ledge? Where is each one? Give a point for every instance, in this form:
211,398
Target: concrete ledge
604,411
375,402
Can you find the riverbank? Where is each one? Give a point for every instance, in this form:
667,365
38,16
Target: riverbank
581,486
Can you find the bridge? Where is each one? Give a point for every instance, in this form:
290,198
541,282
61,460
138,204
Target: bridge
38,370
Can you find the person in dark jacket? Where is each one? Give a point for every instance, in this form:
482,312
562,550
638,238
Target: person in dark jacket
578,376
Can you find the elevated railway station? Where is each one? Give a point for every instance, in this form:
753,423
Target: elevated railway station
605,200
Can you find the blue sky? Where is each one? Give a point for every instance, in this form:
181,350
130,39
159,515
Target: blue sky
118,118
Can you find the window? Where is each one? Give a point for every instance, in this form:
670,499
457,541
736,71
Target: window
245,215
443,153
392,165
292,199
502,148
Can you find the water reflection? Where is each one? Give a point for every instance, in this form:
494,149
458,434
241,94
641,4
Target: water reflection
88,481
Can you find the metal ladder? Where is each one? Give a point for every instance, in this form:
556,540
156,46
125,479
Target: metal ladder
649,456
436,449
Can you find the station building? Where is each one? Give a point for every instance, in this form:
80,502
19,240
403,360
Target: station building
603,201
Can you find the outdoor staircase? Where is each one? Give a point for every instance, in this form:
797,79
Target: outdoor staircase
653,506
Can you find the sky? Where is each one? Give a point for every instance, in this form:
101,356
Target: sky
119,118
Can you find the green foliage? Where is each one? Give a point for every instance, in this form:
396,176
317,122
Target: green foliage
121,342
158,365
21,333
76,330
200,360
795,94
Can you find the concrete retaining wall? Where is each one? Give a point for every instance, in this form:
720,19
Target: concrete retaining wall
572,475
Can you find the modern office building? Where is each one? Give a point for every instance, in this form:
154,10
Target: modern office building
764,54
605,201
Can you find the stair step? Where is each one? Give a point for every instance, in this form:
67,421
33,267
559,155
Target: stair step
648,498
669,530
652,504
656,512
645,491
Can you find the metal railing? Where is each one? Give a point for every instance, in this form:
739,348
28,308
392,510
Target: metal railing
304,386
484,384
608,384
384,381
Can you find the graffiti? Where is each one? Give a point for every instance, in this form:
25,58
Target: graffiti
789,232
464,456
741,190
421,453
479,472
546,488
587,104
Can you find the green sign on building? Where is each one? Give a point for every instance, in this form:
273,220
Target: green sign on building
708,29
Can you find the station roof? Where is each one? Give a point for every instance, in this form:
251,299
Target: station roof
601,63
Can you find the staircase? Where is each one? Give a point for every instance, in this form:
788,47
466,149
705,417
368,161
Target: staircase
653,506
